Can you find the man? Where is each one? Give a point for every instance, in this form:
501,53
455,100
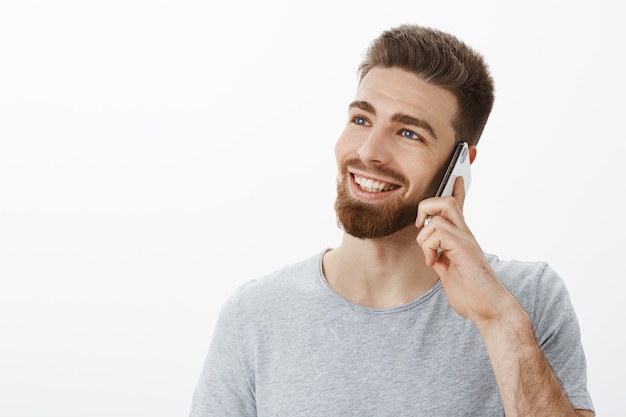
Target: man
407,317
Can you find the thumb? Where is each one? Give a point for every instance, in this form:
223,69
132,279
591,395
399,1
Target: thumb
458,192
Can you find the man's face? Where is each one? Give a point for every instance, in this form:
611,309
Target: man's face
391,154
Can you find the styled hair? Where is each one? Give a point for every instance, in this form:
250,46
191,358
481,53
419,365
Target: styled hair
441,59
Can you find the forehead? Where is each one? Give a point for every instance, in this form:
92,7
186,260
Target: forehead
394,90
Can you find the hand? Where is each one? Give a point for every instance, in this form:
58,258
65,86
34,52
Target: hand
472,287
525,378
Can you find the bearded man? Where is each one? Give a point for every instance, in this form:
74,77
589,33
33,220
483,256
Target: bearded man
405,317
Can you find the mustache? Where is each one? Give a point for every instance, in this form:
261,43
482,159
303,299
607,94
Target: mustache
381,171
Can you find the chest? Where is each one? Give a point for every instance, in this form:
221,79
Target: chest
372,365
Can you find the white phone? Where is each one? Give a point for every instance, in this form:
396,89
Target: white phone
459,166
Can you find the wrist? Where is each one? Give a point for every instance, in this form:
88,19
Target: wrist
511,324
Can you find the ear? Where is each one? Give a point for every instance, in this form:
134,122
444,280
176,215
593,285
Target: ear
472,153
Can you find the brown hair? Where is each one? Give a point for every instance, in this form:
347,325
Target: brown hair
443,60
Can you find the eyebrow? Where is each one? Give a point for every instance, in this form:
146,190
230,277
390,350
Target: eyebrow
363,105
397,118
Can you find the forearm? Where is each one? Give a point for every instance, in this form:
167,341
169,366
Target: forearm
527,383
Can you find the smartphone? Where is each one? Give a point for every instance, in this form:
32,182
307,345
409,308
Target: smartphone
459,166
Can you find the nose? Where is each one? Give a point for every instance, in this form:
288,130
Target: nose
375,148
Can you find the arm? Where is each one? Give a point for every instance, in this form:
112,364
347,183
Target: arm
528,385
527,382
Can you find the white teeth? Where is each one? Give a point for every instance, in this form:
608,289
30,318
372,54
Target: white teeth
372,186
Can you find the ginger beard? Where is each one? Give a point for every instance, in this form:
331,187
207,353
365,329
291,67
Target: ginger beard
365,220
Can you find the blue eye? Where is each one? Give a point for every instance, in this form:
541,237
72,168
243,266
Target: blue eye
360,121
410,134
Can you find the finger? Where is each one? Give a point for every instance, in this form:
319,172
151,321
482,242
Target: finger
426,210
458,192
425,232
447,207
431,242
431,256
431,249
422,215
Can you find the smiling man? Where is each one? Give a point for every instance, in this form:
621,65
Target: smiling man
405,317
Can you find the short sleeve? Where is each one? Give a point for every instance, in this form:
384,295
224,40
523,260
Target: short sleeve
558,335
223,389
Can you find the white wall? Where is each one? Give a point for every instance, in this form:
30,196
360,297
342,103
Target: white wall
154,155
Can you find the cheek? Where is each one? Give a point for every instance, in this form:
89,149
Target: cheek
342,150
431,177
349,141
424,176
338,147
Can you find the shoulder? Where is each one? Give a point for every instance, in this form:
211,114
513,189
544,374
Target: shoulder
536,285
524,275
285,285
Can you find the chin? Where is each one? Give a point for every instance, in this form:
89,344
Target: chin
364,220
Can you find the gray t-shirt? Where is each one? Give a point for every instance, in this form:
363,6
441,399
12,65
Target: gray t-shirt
288,345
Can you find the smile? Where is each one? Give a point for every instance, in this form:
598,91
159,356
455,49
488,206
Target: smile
372,186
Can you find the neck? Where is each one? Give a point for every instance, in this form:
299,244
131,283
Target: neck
379,273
